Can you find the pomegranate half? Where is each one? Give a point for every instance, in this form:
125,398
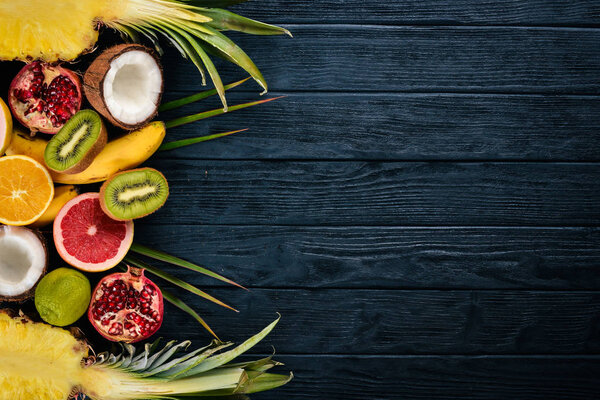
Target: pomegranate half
87,238
43,97
126,307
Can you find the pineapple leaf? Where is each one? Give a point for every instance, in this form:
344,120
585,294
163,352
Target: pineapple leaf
186,142
224,358
226,20
171,105
184,48
184,307
186,365
176,281
212,113
162,256
208,64
214,3
225,45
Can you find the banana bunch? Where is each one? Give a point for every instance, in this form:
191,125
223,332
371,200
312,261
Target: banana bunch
123,153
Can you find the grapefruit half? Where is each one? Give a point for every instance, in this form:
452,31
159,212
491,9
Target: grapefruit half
87,238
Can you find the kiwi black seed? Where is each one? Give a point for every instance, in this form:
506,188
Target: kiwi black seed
74,147
133,194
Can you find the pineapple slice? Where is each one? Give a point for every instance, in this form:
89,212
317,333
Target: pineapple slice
38,361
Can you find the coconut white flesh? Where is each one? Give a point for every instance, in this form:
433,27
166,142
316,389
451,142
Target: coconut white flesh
22,260
132,87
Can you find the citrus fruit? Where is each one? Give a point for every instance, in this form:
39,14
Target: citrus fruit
62,296
6,126
26,190
87,238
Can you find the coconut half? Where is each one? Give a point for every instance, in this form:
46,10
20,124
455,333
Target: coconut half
23,261
125,85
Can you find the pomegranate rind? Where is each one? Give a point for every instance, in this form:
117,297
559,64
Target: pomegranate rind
59,239
6,127
103,331
40,124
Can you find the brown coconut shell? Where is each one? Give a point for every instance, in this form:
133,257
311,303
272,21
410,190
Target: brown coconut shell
106,183
30,293
93,82
90,155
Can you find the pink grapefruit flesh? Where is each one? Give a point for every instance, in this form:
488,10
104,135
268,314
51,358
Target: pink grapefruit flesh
87,238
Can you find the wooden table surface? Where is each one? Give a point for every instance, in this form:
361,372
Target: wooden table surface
423,208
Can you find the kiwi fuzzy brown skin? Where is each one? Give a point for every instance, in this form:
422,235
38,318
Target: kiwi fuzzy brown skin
107,182
20,298
89,156
93,82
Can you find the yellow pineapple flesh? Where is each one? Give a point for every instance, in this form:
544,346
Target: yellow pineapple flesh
37,361
38,29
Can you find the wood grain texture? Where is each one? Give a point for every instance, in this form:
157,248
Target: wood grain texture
362,321
366,193
400,127
385,257
423,59
438,378
429,12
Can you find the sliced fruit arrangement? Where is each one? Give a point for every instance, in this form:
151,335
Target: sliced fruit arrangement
32,350
6,127
23,262
134,194
62,296
62,194
26,190
125,152
126,307
43,96
77,143
125,84
59,33
88,239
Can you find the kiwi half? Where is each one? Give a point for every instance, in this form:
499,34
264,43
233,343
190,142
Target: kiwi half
134,193
76,144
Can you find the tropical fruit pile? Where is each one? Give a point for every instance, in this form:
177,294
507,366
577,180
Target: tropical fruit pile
59,134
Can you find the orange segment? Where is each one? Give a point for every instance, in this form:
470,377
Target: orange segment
26,190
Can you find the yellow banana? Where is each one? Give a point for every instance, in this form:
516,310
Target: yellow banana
123,153
62,194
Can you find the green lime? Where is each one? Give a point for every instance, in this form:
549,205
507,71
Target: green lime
62,296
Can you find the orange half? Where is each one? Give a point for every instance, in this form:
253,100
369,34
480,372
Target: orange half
26,190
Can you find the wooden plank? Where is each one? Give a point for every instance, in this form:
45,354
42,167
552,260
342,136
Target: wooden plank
386,257
364,321
429,12
401,127
438,378
423,59
366,193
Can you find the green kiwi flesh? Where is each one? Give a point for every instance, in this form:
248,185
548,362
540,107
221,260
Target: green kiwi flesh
133,194
76,144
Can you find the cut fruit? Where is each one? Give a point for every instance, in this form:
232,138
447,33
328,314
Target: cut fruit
26,190
125,85
134,194
62,194
6,127
31,30
126,307
22,264
87,238
77,143
43,97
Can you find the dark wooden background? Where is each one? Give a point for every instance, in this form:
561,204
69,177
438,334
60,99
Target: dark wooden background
423,208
